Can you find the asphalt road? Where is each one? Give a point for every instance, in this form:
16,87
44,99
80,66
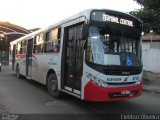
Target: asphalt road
21,96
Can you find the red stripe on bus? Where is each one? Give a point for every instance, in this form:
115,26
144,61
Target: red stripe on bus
92,92
22,56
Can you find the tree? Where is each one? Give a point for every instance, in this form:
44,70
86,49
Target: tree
149,14
149,4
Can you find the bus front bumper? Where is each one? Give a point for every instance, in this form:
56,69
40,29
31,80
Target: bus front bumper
92,92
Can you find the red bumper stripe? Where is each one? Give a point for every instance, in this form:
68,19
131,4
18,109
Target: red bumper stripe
92,92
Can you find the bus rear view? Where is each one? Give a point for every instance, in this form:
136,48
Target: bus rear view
113,57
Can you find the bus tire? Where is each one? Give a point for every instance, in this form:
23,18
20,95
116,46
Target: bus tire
53,86
18,73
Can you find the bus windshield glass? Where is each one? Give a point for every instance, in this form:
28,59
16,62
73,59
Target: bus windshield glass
112,47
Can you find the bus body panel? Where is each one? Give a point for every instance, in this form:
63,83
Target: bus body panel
37,68
51,62
20,61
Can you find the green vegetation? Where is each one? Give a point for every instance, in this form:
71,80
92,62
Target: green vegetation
149,14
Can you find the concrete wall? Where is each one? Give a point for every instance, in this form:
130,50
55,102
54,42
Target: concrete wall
151,56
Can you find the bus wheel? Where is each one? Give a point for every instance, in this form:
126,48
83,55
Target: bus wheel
18,73
53,86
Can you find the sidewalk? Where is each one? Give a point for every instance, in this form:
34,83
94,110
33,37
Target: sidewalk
151,82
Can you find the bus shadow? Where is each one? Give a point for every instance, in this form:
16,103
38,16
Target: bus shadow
33,83
92,107
108,107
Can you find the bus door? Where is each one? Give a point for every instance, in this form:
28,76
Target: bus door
29,57
73,57
13,56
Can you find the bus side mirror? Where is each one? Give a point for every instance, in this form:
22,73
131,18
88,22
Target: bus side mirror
85,31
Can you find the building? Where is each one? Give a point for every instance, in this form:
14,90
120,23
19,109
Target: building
8,33
151,52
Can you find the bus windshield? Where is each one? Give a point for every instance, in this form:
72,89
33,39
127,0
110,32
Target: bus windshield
112,47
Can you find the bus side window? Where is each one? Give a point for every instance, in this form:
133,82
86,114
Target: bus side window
18,48
39,43
52,42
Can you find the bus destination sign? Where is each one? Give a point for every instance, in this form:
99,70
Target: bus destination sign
105,17
114,19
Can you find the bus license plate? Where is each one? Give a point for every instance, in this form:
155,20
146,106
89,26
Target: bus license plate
126,92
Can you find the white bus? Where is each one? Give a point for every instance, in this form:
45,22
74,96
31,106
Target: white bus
94,55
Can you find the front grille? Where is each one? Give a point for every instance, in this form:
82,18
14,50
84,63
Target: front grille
120,95
122,71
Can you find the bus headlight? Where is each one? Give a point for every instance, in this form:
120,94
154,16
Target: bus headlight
138,83
97,81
